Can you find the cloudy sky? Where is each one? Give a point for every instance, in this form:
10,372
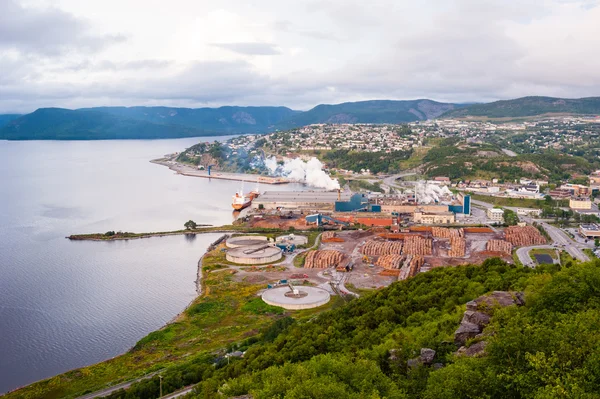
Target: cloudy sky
74,53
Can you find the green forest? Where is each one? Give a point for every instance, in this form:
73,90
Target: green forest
548,348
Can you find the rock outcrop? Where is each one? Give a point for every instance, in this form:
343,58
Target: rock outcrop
478,315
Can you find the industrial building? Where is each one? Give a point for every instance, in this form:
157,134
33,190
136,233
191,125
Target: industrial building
422,217
495,214
307,200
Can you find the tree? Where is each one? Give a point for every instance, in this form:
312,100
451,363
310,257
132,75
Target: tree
190,225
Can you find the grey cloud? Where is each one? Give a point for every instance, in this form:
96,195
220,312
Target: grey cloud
46,31
249,48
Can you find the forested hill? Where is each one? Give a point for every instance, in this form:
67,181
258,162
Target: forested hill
140,122
375,111
6,118
529,106
166,122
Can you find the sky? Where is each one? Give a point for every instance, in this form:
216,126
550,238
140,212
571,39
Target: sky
300,53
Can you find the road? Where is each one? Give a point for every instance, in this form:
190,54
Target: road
179,393
557,235
391,180
114,388
523,254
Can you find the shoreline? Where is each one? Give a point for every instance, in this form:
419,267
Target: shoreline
187,170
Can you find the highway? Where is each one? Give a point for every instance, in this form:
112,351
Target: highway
391,180
105,392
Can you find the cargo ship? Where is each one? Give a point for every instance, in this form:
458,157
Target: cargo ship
241,200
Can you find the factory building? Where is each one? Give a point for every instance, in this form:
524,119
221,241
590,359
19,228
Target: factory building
308,200
358,203
422,217
461,205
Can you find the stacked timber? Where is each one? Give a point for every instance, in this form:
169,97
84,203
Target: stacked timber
382,248
391,261
523,236
457,247
323,259
417,245
499,246
443,232
411,266
330,236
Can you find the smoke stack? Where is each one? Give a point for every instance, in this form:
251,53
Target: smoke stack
339,194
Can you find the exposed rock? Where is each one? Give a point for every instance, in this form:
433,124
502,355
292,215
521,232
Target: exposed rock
437,366
478,315
427,355
393,354
466,331
475,350
479,318
413,363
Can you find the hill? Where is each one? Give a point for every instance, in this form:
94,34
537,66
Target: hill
6,118
528,106
375,111
219,120
140,122
64,124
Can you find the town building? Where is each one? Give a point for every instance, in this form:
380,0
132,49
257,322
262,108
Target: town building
580,203
495,214
589,230
531,212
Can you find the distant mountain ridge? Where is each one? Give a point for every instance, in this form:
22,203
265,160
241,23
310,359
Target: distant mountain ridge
529,106
103,123
373,111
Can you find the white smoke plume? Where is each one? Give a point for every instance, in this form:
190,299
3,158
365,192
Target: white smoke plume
430,193
310,173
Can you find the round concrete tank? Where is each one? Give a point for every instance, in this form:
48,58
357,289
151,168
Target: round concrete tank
244,241
292,239
254,254
301,298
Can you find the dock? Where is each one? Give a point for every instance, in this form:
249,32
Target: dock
186,170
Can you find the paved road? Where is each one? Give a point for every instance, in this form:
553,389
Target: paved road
179,393
523,254
114,388
391,180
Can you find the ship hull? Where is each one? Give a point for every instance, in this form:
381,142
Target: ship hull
239,207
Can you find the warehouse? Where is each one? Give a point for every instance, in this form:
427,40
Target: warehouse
309,200
434,218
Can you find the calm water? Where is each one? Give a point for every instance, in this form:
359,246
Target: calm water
69,304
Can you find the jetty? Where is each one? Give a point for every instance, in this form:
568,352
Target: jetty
188,170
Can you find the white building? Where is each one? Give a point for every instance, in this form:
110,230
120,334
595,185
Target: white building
529,212
495,214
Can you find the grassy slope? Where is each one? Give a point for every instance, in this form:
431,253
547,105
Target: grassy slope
218,317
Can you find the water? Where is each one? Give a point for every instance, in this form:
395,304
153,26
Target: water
68,304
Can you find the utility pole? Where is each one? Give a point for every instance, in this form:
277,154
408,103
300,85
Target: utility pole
160,377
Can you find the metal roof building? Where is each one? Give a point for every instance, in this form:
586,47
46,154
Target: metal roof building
324,200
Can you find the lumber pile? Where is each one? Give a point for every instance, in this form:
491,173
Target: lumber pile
389,272
444,232
523,236
323,259
411,266
330,236
382,248
417,245
458,246
391,261
499,246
